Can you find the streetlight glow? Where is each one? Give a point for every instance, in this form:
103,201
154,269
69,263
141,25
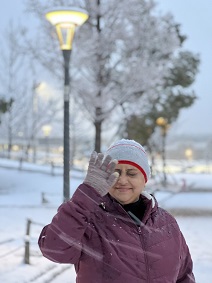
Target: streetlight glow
189,153
161,121
46,130
65,21
72,16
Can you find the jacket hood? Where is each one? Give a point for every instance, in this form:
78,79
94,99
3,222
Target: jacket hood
150,197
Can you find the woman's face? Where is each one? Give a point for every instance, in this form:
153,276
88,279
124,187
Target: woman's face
129,185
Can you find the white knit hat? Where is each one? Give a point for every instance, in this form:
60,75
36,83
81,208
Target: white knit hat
130,152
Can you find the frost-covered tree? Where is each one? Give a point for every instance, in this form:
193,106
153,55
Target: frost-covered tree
12,80
17,77
120,56
174,95
4,106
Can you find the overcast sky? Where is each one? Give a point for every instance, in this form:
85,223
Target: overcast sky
196,23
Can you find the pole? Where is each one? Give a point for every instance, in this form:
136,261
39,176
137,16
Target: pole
66,134
47,148
27,243
164,156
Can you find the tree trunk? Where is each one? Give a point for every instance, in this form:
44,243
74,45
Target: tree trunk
98,121
10,138
98,127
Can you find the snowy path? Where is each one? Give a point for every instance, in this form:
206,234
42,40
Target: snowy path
68,276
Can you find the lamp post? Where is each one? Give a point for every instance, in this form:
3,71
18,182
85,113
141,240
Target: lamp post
163,124
65,22
46,132
189,154
35,100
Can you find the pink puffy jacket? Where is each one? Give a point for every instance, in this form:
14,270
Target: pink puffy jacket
106,246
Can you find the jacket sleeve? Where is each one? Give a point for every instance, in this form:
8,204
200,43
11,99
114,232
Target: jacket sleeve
61,240
186,270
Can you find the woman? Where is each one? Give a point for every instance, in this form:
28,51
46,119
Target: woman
114,231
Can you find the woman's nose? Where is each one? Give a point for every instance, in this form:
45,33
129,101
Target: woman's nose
122,179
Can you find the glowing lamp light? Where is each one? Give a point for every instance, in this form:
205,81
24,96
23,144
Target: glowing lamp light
46,130
161,121
65,22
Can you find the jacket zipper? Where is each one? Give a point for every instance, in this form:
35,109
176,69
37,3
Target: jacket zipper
138,228
145,255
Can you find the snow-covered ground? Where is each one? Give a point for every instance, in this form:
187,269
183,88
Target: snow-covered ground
21,194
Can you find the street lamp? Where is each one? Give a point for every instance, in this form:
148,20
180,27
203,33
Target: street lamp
189,153
35,92
46,132
65,21
163,124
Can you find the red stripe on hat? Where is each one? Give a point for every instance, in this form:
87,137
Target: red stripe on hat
135,165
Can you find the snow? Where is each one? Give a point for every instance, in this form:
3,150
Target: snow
21,194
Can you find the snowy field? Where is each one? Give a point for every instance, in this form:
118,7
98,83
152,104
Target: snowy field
21,195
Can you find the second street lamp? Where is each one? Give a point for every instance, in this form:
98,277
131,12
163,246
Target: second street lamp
46,132
164,126
65,22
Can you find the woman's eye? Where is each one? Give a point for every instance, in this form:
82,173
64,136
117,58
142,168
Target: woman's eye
131,174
